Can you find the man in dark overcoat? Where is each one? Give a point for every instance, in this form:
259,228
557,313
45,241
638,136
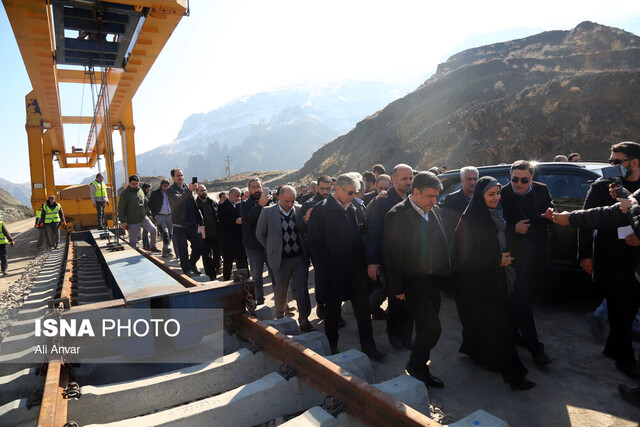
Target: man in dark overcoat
525,205
416,256
337,249
231,234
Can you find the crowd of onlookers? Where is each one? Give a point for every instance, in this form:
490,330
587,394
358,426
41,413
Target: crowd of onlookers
375,236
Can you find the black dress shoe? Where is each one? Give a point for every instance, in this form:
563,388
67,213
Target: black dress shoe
629,368
320,311
434,382
407,344
379,314
630,394
522,384
341,322
375,355
395,343
334,349
307,328
416,372
542,359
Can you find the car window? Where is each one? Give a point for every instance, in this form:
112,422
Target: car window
565,185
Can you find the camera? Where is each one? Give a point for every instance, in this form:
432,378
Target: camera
615,174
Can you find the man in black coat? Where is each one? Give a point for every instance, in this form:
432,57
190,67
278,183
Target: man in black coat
399,323
383,184
610,259
525,205
186,219
231,233
337,249
211,241
250,211
455,203
416,256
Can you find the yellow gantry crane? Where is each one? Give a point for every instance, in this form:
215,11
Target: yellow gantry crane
111,44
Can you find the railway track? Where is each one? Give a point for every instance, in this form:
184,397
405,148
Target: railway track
268,374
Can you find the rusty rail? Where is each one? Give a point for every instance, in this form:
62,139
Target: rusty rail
361,399
53,409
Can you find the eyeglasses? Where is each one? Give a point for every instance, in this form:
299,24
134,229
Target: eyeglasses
351,193
617,161
515,180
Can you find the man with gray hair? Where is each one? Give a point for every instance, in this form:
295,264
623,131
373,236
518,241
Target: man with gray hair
338,252
230,222
455,203
416,259
277,231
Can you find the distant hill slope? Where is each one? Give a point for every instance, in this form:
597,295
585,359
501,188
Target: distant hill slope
22,192
554,92
12,209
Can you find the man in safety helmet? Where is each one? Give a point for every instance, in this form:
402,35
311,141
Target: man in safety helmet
5,239
99,198
52,218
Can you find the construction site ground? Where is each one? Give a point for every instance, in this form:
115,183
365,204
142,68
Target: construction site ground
578,389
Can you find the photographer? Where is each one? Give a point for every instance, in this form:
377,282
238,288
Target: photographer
612,260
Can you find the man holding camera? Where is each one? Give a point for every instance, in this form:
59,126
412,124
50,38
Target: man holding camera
186,219
612,260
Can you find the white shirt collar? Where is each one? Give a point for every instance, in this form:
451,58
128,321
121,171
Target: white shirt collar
283,212
345,207
418,209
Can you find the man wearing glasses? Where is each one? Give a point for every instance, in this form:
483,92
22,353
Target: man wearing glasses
611,259
525,205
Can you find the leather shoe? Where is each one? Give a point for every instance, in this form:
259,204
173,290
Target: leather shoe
433,381
630,394
416,373
375,355
334,349
379,314
542,359
307,328
320,311
523,384
630,369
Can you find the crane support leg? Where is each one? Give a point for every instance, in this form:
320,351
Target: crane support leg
36,152
128,143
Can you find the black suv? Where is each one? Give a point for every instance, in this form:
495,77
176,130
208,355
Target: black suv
568,184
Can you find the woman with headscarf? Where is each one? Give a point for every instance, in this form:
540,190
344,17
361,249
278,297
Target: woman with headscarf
486,279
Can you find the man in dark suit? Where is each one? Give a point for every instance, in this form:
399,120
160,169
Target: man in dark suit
399,323
336,245
416,256
383,183
455,203
525,205
211,240
231,233
277,230
611,259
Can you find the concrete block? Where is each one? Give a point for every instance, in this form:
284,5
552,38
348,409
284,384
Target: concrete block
286,325
32,313
264,313
16,343
480,418
408,390
316,341
16,413
19,384
314,417
354,362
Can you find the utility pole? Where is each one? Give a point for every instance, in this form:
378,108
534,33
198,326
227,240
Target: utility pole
227,167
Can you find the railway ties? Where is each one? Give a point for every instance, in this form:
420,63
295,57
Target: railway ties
269,372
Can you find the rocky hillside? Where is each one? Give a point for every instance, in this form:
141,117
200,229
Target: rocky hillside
11,209
551,93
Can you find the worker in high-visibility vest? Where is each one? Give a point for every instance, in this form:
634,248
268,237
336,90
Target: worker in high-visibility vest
52,218
5,239
99,198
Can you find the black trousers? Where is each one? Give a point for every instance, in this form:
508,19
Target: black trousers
211,255
4,256
399,320
360,303
623,301
228,257
424,308
520,308
100,214
180,237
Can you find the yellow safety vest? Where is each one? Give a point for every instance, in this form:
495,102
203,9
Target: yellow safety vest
51,215
101,189
3,239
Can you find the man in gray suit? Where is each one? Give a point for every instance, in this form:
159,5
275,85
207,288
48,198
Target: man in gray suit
278,232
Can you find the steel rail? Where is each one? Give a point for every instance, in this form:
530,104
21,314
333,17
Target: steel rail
362,400
53,409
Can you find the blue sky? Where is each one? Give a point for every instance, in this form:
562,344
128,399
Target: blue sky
227,49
